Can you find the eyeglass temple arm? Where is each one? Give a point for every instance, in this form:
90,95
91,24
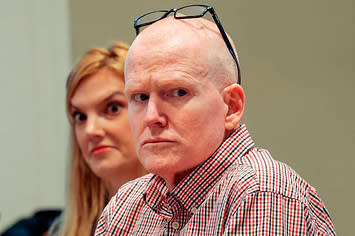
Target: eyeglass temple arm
227,42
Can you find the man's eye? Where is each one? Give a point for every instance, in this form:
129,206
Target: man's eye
141,97
179,92
113,108
79,117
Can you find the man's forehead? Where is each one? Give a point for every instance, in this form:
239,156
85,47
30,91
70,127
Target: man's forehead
182,48
194,43
175,69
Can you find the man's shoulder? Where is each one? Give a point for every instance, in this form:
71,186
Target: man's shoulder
131,191
129,196
270,183
137,186
274,176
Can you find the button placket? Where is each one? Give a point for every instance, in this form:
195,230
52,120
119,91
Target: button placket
175,225
193,210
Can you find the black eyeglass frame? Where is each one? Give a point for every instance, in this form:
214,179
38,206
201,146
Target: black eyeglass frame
209,9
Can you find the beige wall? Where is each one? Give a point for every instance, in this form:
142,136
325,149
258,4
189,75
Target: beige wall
297,60
34,61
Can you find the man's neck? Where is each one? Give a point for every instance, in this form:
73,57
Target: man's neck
174,180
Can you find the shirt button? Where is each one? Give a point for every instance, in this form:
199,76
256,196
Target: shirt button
175,225
193,210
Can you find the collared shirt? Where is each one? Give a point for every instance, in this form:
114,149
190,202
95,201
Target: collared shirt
239,190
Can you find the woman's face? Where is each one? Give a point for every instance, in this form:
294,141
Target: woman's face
99,111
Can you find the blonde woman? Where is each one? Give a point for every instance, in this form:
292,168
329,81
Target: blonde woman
102,154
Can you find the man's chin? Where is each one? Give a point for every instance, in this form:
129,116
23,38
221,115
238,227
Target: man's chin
159,169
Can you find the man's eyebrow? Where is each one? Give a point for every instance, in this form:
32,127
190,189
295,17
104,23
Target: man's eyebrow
129,86
176,81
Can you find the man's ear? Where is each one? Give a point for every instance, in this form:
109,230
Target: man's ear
234,98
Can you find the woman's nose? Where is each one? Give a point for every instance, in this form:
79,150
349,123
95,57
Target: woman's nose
94,127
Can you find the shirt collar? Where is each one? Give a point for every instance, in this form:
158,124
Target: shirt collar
192,190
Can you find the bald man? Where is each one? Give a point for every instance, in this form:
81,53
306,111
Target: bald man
207,177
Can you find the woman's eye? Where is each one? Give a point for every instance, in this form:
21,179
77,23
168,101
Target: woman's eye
79,117
113,108
141,97
179,92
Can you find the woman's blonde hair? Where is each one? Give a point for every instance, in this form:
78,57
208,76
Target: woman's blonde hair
87,195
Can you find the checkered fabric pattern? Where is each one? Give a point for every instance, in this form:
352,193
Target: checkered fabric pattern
239,190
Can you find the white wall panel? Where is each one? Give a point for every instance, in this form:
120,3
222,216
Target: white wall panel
34,62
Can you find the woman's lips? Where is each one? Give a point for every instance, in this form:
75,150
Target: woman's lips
100,150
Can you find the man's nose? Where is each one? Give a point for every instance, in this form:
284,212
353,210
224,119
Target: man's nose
154,115
94,127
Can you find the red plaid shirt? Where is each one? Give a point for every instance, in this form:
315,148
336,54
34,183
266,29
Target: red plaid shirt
239,190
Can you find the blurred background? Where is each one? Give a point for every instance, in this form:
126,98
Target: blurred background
297,60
